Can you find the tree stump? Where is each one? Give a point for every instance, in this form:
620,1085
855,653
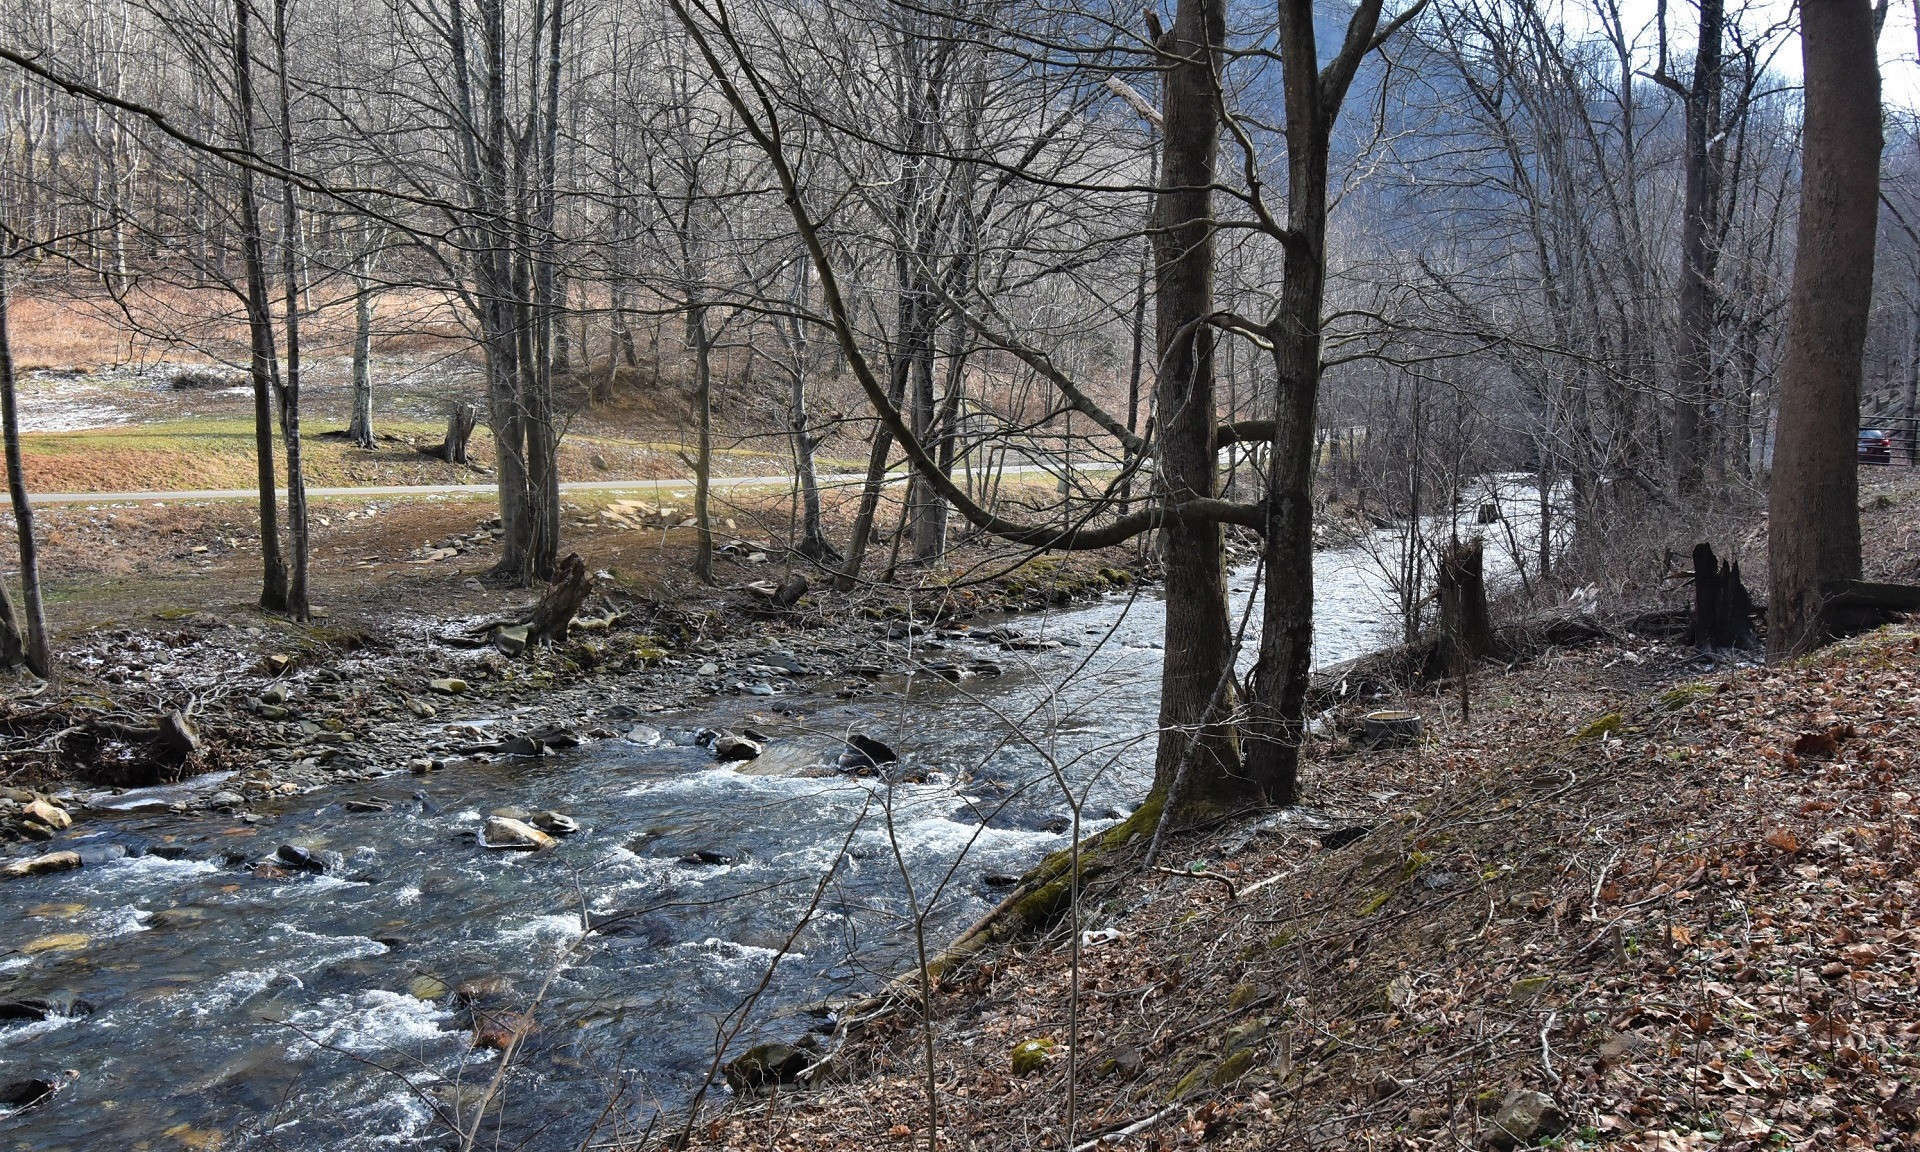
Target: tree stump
1466,625
790,591
1390,729
460,425
1722,607
551,617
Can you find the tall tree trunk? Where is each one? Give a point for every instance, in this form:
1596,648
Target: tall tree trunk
1814,525
1198,750
506,418
928,515
297,603
813,543
273,581
1286,636
37,651
1699,250
699,341
360,428
876,479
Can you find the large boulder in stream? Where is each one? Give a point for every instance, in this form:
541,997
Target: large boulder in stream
863,752
727,746
505,833
300,859
764,1066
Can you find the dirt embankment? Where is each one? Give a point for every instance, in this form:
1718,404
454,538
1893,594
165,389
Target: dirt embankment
1638,902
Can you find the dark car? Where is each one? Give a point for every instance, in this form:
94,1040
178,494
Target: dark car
1876,447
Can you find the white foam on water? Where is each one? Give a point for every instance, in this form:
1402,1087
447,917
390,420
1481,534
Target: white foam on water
947,839
558,926
371,1021
233,989
117,922
27,1030
139,869
406,895
732,954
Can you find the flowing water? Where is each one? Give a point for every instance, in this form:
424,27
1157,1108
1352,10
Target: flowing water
212,1003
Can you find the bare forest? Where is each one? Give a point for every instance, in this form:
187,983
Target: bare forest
956,574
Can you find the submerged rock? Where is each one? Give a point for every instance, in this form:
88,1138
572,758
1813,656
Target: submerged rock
708,857
37,1008
308,860
19,1095
481,989
500,1031
40,865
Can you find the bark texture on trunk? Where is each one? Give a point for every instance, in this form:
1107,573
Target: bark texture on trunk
1278,707
698,340
297,536
360,428
1705,162
1814,524
33,646
273,573
1198,749
813,543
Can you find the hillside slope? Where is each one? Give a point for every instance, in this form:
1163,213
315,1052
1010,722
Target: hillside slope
1625,907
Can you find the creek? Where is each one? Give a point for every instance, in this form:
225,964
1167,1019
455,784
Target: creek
207,1000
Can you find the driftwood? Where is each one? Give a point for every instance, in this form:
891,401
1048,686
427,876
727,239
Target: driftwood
1722,607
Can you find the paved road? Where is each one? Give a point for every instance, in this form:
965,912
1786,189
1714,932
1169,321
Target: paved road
720,484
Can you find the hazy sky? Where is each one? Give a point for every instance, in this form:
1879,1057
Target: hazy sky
1899,73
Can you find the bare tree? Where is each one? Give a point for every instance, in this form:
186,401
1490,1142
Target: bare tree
1813,526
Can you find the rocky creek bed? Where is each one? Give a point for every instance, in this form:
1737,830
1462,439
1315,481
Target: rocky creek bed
318,937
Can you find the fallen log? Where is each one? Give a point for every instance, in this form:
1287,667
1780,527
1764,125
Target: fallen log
1859,605
1428,659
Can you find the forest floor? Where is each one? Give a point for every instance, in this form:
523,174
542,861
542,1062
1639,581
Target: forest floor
1640,899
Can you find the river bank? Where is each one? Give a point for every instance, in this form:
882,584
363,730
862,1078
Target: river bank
1636,901
286,937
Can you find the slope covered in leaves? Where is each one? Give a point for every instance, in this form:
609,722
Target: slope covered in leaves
1624,908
